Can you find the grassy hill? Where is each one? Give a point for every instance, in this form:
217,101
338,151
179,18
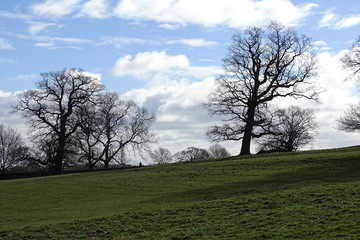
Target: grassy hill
303,195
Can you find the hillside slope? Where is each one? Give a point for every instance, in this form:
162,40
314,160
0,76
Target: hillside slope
304,195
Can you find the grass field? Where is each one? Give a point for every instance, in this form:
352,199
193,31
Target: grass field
303,195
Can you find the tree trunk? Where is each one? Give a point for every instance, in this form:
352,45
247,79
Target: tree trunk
246,141
106,164
58,163
59,158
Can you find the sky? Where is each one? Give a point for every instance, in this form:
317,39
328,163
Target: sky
166,55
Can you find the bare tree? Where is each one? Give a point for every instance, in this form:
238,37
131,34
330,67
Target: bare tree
12,148
122,125
262,64
291,129
161,155
351,60
218,152
350,121
191,154
50,108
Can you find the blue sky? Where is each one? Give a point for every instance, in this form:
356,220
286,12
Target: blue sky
165,54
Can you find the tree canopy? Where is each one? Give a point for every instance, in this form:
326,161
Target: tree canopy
262,64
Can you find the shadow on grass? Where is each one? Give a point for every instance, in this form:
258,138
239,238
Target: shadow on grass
319,173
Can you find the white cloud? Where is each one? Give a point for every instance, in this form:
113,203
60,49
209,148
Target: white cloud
15,15
55,8
181,121
96,76
328,20
231,13
321,46
4,44
4,94
54,42
95,9
121,42
169,26
347,22
156,67
195,42
335,21
319,43
98,9
148,64
37,27
7,117
49,45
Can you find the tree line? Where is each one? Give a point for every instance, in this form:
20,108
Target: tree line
74,119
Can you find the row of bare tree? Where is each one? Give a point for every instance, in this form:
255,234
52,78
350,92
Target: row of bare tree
73,118
163,155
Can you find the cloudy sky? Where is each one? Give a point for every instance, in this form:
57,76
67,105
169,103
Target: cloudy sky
166,54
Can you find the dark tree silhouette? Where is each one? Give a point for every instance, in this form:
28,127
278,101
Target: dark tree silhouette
262,64
291,129
191,154
50,108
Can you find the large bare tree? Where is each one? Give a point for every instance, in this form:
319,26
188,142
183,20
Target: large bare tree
121,125
262,64
50,108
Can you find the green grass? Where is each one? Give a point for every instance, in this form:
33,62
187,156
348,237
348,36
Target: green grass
303,195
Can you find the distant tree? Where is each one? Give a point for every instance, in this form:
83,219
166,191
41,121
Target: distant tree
161,155
291,129
122,125
192,154
12,148
218,152
262,64
351,60
50,109
350,121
